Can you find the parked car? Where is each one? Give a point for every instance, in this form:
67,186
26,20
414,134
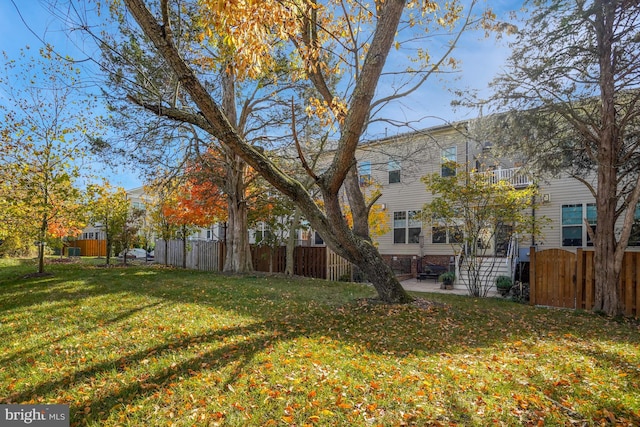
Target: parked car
137,253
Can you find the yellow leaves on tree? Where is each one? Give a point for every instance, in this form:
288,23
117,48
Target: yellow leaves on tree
379,223
247,31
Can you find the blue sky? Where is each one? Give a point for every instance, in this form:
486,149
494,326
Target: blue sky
481,59
14,35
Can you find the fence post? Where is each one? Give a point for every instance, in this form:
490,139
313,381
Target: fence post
579,279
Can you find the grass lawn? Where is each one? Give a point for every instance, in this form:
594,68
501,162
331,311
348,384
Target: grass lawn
149,346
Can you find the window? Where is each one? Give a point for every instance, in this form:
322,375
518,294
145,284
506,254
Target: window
399,227
415,227
442,234
572,225
364,173
455,234
574,232
317,239
438,234
449,159
90,236
407,226
262,233
394,171
591,218
634,237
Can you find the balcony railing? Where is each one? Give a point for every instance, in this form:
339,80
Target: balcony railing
511,175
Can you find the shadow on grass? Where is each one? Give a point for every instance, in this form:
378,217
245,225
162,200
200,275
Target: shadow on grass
282,314
27,352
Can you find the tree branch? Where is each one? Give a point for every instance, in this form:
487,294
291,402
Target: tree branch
298,147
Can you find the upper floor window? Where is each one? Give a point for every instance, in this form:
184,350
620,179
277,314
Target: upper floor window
449,159
138,206
394,171
364,173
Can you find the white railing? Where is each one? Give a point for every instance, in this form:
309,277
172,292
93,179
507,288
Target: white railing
511,175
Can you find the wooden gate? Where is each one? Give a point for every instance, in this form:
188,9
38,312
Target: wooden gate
553,278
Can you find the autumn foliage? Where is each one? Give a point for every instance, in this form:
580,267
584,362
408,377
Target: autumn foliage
194,205
156,346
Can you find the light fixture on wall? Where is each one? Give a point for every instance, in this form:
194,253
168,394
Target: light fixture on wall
383,206
546,198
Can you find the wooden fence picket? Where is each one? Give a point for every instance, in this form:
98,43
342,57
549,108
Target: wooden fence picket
560,278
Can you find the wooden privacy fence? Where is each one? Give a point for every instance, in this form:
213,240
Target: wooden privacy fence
89,247
201,255
309,261
560,278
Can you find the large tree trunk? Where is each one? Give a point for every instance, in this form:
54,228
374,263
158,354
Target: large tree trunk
166,252
608,261
289,269
238,249
238,255
332,226
359,251
184,246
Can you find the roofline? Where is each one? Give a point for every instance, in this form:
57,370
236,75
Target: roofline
432,129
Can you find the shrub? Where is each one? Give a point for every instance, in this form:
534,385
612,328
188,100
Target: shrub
449,276
503,282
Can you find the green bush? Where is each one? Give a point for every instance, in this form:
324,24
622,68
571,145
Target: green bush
503,282
449,276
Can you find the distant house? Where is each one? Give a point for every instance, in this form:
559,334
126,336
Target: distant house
92,240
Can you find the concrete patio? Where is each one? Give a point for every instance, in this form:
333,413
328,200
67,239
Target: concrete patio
430,285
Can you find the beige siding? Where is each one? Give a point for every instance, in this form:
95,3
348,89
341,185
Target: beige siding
418,154
563,190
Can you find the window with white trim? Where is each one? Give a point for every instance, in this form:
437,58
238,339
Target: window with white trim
449,159
407,226
574,231
414,227
394,171
262,232
364,173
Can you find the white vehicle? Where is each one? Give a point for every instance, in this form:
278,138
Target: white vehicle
137,253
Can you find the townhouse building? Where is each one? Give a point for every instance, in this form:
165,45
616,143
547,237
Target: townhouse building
397,164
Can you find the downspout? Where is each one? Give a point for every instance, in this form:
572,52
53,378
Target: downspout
533,215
